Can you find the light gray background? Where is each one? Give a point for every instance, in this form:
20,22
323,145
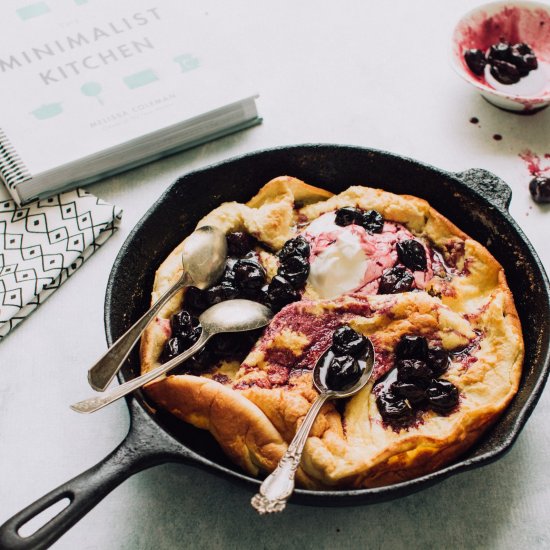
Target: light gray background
367,73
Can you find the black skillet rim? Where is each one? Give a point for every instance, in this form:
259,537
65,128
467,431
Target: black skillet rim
339,496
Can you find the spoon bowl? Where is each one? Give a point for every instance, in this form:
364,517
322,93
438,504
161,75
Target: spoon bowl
366,365
203,256
235,316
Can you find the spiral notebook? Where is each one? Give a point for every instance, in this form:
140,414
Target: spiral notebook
94,87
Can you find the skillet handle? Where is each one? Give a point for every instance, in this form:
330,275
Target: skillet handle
83,492
488,185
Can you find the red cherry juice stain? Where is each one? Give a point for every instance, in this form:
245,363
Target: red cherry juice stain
538,165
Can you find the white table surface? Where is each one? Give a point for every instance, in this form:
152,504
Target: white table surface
362,73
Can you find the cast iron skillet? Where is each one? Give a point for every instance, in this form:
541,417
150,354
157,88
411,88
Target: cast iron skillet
475,200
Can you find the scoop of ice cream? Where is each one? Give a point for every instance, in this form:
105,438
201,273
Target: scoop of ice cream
350,259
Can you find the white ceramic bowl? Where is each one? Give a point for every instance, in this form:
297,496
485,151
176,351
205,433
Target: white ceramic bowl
514,22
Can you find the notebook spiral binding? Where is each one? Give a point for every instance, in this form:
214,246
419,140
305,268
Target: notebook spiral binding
12,169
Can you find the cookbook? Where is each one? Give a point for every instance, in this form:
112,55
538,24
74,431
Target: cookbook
93,87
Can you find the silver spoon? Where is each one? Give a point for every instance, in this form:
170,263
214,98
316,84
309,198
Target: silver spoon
229,316
203,256
277,488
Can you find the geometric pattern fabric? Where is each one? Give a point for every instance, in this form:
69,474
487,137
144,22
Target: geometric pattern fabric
43,243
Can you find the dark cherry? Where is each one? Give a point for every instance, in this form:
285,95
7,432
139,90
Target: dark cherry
181,324
505,72
343,372
499,52
393,408
530,62
345,340
256,294
475,59
239,244
194,336
195,299
229,345
228,273
219,293
412,347
295,247
523,57
407,390
201,362
348,215
280,293
373,221
438,360
523,49
539,188
521,64
249,275
295,269
395,280
442,395
412,254
172,349
414,371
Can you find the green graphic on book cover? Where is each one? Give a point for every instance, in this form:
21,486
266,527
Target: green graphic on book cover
187,62
47,111
92,89
142,78
32,10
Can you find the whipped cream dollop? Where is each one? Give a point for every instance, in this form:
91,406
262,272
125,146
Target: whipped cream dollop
350,259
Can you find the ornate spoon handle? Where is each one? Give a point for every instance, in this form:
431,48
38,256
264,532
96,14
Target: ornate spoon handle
278,486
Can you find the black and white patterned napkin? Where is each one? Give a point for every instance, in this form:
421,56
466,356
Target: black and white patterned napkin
43,243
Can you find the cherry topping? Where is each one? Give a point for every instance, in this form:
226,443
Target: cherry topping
345,340
395,280
219,293
227,345
239,244
343,372
295,269
200,362
373,221
438,360
475,59
295,247
411,347
172,349
228,273
505,72
442,396
414,371
195,299
508,63
407,390
181,324
499,52
412,254
347,215
539,188
280,293
249,275
393,408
